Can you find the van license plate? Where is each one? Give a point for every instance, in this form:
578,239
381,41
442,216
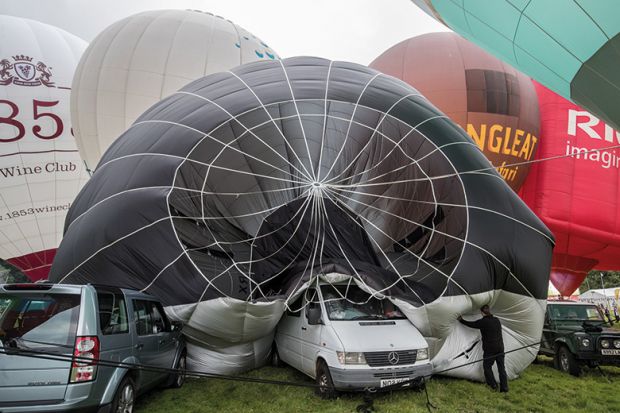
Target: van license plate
610,352
389,382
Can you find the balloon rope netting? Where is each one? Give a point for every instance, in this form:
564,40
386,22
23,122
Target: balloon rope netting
327,191
310,183
47,355
337,193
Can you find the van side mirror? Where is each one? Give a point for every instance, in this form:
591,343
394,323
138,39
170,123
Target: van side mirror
314,315
176,325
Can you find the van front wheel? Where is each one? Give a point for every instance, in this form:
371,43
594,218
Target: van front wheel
325,386
276,361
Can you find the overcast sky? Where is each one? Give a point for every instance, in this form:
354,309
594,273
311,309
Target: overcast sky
353,30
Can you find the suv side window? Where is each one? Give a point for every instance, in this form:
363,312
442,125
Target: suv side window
142,315
160,321
112,312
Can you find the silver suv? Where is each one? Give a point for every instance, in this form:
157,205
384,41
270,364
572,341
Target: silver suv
96,323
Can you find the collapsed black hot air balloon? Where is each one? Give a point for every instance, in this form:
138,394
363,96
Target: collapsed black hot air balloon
228,197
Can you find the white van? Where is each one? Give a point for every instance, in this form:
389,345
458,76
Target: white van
350,343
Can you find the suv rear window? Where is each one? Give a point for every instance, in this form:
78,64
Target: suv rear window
39,321
112,312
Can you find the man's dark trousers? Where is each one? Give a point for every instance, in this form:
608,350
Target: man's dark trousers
487,364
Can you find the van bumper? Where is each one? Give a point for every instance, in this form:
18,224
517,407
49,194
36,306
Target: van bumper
360,379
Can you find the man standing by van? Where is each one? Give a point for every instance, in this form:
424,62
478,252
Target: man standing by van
492,346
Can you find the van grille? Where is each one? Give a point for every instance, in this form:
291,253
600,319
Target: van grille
386,358
394,374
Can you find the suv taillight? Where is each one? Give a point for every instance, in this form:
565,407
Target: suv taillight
85,368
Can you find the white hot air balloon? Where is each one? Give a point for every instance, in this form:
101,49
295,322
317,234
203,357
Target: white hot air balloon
143,58
40,168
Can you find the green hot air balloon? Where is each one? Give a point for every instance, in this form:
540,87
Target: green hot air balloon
570,46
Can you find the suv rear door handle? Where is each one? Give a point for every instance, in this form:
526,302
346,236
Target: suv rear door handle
304,328
139,346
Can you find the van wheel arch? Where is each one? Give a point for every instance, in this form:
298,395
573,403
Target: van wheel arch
325,385
276,361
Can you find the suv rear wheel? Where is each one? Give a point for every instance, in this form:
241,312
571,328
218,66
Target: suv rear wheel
125,397
177,379
566,361
324,382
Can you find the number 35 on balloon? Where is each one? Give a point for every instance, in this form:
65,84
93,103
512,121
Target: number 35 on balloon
47,125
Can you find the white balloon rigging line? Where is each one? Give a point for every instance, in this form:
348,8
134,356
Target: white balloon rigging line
433,230
301,123
315,218
400,277
284,138
247,130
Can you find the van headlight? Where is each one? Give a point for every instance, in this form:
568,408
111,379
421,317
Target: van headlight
351,358
617,343
585,342
422,354
605,343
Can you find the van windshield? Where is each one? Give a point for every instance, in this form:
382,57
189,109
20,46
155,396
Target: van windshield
349,302
39,321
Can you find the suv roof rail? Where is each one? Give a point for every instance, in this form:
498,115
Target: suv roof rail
115,288
29,286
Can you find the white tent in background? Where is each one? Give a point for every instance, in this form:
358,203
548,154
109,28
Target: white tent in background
600,296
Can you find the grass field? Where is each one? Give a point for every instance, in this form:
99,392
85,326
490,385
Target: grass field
541,388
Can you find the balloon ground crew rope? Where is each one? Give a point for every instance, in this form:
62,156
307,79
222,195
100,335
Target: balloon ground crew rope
365,407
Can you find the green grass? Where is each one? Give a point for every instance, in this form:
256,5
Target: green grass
540,388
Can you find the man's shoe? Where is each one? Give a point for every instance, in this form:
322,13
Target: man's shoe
503,391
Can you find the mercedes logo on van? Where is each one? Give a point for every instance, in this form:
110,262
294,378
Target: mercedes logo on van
393,357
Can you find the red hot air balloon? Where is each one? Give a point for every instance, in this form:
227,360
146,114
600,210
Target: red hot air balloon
578,196
493,102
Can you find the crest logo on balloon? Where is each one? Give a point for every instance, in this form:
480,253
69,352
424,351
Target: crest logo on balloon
22,72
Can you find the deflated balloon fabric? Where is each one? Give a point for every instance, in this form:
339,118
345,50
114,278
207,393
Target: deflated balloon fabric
234,194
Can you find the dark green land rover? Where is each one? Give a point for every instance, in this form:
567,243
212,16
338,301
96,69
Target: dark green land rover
576,334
